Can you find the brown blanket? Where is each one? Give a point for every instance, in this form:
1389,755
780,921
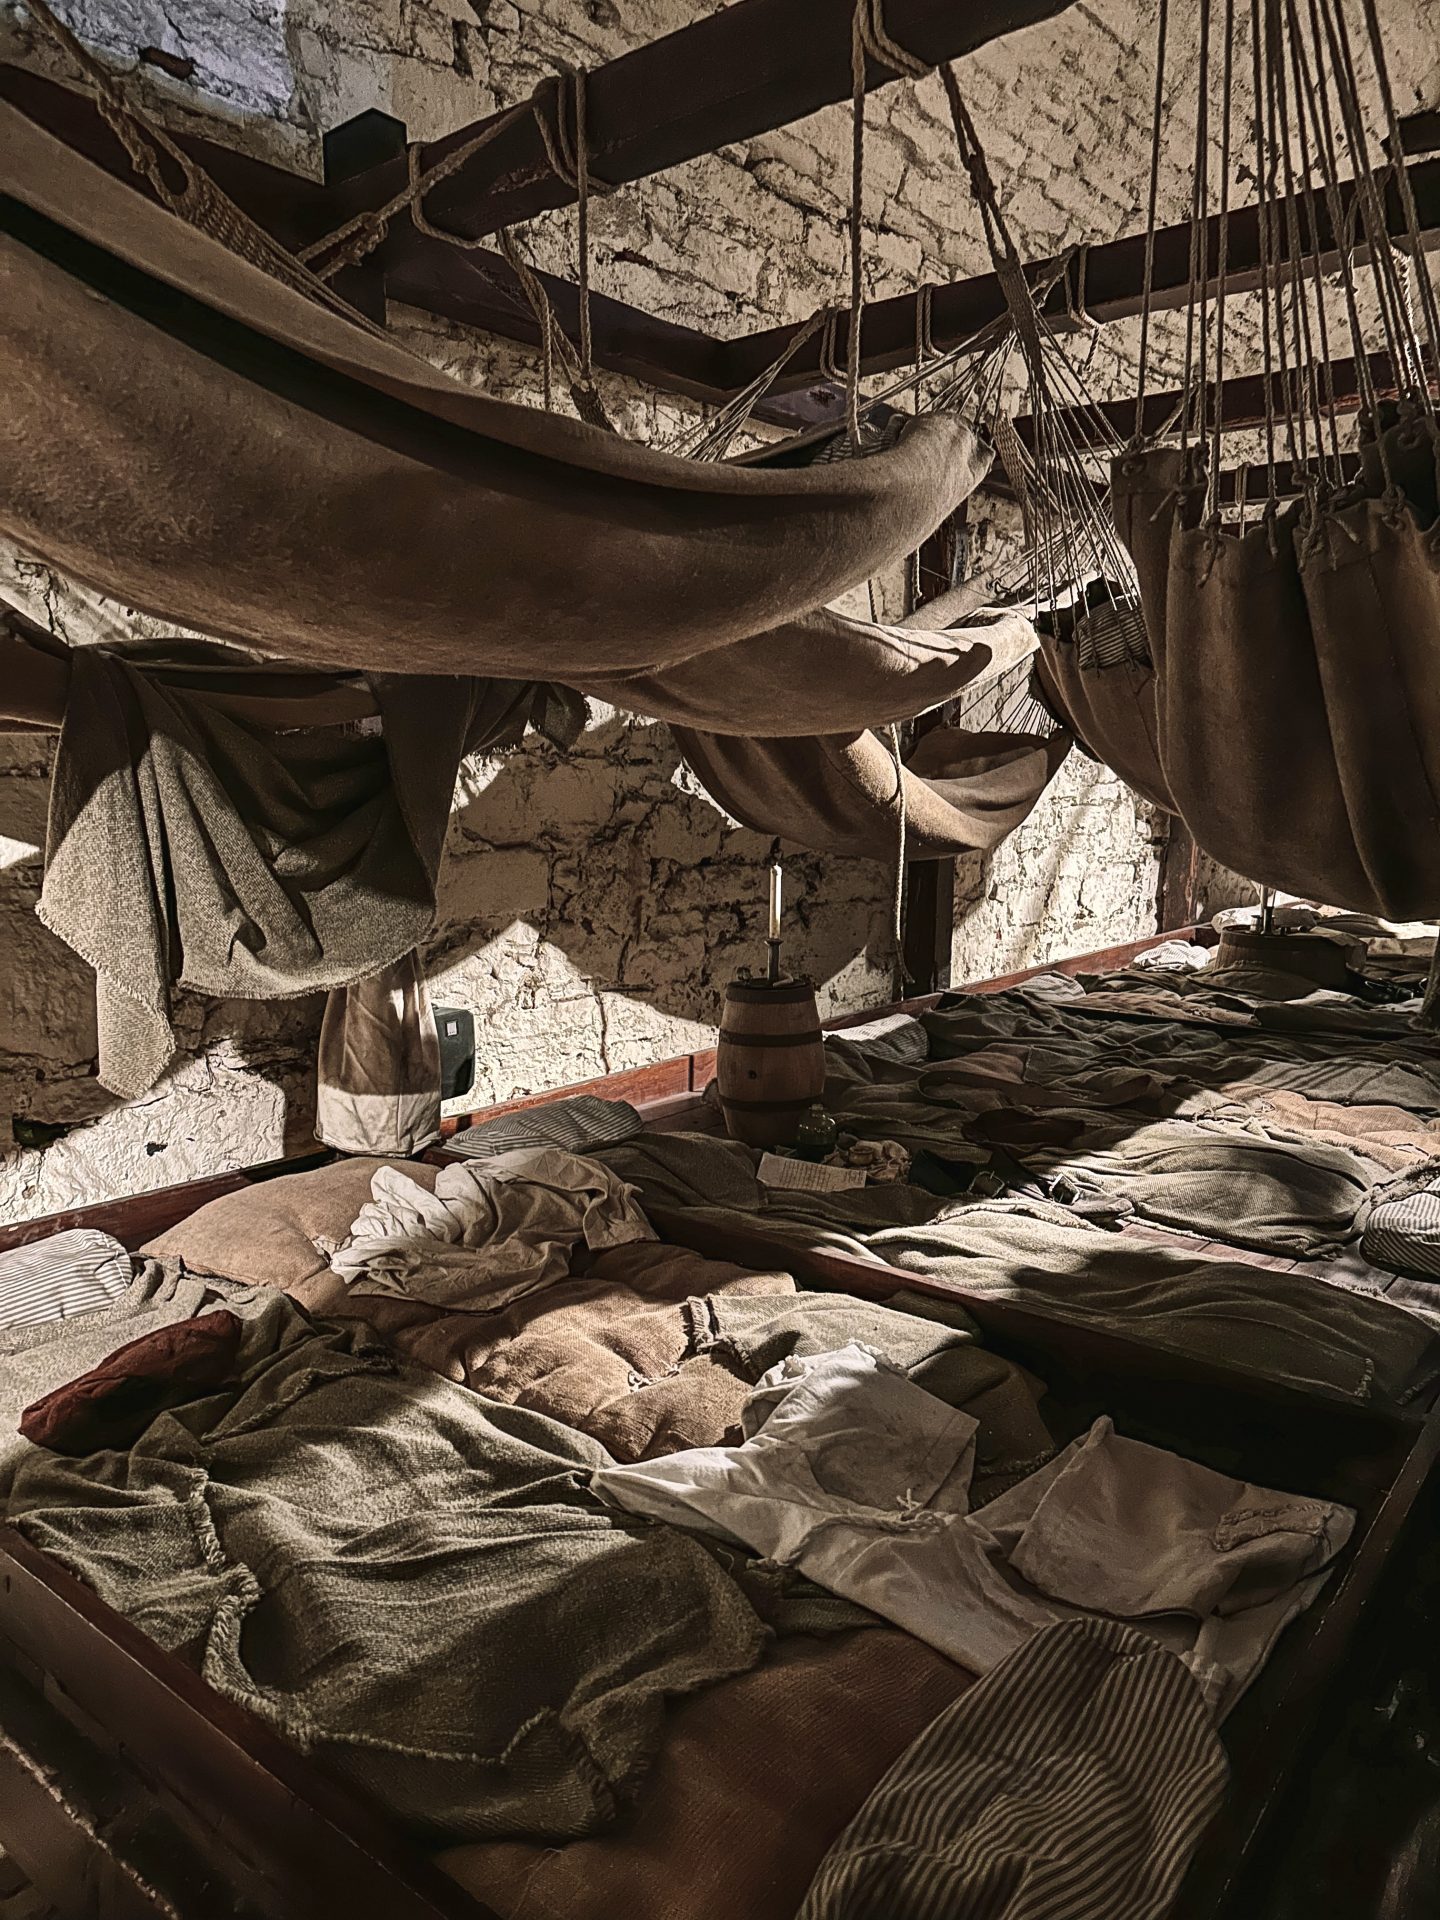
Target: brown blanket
756,1779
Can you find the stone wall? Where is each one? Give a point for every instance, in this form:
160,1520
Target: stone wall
595,904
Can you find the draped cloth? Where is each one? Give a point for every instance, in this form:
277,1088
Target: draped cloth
1298,668
190,845
378,1080
212,447
1109,706
963,792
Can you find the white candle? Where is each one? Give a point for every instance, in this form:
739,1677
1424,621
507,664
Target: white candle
775,901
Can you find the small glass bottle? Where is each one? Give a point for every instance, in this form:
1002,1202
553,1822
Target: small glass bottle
816,1135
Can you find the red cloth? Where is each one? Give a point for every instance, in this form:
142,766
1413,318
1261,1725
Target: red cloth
112,1405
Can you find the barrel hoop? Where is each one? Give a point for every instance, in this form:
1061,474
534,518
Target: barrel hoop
766,1106
759,993
813,1038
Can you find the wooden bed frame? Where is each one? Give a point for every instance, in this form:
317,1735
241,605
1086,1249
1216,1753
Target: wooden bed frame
176,1801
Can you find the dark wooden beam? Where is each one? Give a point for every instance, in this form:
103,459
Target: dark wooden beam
1242,404
930,884
475,288
743,70
1114,276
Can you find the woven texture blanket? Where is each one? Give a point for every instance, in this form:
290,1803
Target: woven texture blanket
411,1581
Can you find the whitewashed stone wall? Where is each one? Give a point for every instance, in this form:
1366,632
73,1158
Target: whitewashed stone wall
594,905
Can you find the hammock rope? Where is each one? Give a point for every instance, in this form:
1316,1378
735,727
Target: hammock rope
195,199
1162,36
870,40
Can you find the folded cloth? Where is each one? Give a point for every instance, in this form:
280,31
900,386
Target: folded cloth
403,1578
489,1232
738,1812
112,1404
61,1276
752,1332
854,1474
1174,956
280,1232
1074,1781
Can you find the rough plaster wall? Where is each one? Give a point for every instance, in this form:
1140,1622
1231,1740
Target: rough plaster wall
595,905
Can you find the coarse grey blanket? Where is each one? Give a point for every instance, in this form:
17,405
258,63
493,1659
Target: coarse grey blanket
1203,1177
1073,1783
408,1580
1393,1068
187,847
1264,1323
1267,1323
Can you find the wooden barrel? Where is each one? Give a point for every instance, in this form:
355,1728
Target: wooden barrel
770,1063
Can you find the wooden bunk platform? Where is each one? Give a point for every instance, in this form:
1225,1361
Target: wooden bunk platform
128,1787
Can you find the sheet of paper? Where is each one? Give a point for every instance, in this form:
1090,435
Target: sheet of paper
807,1176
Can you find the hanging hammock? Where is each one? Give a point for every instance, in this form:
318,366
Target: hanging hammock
1298,657
211,446
958,792
1095,675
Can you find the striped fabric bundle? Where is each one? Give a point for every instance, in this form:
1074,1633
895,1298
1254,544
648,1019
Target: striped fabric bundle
1403,1234
1111,636
59,1277
580,1124
1072,1783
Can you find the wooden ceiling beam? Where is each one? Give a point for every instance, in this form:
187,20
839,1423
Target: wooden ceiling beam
743,70
475,287
1114,282
1242,405
472,287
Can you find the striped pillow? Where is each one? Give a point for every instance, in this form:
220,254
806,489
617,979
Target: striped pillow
59,1277
1404,1234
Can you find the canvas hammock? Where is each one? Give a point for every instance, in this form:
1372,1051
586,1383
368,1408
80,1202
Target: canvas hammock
957,792
212,447
1299,681
1094,673
1297,657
